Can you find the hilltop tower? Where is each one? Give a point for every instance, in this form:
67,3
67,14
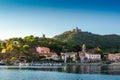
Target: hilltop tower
43,35
76,30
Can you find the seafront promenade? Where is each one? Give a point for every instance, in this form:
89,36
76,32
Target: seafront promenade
64,64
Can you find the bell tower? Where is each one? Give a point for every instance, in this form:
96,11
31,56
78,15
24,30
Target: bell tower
83,48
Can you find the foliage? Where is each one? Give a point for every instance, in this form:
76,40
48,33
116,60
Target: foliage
75,40
78,58
98,51
16,48
69,59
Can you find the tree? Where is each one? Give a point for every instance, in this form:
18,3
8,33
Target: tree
99,51
77,58
69,59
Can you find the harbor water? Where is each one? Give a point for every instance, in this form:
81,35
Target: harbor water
71,72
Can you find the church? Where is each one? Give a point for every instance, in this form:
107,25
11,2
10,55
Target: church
88,56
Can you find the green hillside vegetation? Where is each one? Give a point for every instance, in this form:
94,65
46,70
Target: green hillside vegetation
19,47
74,39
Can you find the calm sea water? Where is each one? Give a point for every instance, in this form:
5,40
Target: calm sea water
60,73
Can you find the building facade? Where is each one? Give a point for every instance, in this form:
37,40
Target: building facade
114,57
41,50
44,51
93,57
87,56
67,55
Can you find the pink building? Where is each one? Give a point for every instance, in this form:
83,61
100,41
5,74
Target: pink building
44,51
41,50
81,54
83,57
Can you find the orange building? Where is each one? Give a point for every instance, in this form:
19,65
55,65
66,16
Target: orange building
114,57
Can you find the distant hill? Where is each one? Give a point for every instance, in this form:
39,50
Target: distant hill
76,37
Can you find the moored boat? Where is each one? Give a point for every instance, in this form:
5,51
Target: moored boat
2,64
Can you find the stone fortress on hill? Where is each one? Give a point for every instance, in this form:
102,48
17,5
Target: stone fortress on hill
77,30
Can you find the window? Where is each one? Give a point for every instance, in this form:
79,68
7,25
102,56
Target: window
42,51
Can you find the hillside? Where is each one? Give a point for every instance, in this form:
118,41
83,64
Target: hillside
76,37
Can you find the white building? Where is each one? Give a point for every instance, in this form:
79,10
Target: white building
96,57
67,55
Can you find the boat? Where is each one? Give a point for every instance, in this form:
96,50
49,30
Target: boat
23,64
2,64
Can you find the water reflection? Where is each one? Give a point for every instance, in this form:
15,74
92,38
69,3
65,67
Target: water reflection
79,69
82,69
114,70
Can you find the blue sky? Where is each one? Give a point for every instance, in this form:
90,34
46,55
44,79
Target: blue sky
19,18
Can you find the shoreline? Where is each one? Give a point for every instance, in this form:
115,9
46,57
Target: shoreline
66,64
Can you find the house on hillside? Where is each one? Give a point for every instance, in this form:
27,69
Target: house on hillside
45,51
41,50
